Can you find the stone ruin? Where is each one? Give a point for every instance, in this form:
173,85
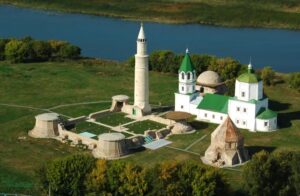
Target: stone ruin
227,146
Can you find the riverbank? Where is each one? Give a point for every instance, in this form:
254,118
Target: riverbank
232,13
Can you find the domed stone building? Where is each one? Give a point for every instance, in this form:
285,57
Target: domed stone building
210,82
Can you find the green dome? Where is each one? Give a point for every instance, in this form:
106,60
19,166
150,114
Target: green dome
187,65
249,77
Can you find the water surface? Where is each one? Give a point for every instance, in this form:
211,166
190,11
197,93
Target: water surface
115,38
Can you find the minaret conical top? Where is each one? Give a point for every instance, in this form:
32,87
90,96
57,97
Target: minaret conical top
142,33
187,51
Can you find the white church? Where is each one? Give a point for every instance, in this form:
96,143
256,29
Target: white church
248,109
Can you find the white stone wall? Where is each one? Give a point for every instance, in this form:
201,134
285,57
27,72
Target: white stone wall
210,116
266,125
242,114
187,85
247,91
182,102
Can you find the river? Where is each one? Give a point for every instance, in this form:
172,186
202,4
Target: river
112,38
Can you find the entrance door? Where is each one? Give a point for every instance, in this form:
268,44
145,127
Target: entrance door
133,112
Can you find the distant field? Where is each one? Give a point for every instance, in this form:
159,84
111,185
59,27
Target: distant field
46,85
237,13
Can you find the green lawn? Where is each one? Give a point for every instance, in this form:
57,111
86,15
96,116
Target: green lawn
141,126
45,85
82,110
114,119
91,127
262,13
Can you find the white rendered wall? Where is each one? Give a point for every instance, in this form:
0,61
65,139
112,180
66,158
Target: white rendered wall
182,102
187,86
242,114
141,80
271,124
250,90
210,116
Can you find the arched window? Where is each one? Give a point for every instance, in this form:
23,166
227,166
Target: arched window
182,75
189,76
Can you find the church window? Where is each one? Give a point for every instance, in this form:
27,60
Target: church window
189,76
205,115
266,123
237,121
213,116
244,122
182,75
221,117
243,94
181,106
245,109
182,88
238,109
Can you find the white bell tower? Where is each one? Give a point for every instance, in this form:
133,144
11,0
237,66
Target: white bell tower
141,74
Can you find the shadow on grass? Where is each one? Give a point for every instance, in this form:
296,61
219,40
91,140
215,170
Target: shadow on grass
199,125
278,106
162,109
284,119
254,149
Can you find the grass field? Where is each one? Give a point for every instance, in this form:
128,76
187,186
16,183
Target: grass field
50,84
114,119
238,13
142,126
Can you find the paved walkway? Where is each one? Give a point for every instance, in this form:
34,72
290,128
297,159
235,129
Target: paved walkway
98,123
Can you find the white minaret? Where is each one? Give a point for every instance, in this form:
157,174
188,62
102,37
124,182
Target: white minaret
141,74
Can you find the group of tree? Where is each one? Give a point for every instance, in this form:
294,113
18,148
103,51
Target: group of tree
83,175
30,50
273,174
168,61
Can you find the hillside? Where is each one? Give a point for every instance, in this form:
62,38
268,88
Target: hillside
231,13
27,89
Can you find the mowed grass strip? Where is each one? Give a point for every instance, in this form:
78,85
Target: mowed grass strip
141,126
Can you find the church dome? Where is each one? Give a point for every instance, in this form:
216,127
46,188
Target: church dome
209,78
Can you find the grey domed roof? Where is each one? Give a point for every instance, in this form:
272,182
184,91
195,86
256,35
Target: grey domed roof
209,78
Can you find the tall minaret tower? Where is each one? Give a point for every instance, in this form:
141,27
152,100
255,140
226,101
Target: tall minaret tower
141,74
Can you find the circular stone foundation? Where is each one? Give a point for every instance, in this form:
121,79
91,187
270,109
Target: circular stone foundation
46,126
110,146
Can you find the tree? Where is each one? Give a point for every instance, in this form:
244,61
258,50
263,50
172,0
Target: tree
294,81
209,182
227,68
132,180
269,174
296,171
69,51
3,42
42,50
65,176
96,182
268,75
14,52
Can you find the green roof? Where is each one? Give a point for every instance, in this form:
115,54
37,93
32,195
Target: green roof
215,103
249,77
266,114
187,64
